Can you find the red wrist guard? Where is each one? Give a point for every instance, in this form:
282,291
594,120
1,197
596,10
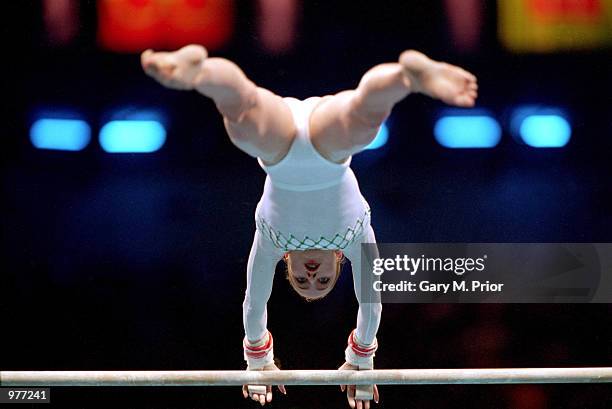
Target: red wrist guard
361,350
260,351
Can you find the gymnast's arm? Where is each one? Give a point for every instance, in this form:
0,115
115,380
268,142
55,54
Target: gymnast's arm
260,276
258,341
370,307
258,122
362,343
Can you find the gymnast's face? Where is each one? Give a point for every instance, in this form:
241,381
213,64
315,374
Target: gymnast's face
313,273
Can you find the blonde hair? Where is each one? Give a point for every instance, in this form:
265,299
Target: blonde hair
289,276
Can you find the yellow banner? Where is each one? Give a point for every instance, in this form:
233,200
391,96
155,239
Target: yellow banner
555,25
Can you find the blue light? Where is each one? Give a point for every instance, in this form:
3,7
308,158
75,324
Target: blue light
132,136
381,138
541,127
467,131
60,134
546,131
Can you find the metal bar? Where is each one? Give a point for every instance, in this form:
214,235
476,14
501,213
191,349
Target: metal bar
306,377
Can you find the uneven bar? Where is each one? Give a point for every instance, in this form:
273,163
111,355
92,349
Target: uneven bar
307,377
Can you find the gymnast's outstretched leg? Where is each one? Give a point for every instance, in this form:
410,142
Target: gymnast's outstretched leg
345,123
258,121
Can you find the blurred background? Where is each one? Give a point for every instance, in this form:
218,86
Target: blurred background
127,215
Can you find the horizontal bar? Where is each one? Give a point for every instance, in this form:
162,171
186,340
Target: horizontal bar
306,377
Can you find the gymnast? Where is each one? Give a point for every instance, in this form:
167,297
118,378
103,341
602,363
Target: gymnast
311,214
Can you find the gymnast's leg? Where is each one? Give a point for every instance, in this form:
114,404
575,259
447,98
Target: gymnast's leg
343,124
258,121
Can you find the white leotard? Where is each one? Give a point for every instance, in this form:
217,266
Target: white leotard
308,202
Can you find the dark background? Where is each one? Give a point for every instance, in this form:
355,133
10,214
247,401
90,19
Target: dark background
137,261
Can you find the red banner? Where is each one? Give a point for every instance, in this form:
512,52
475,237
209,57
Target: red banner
567,11
134,25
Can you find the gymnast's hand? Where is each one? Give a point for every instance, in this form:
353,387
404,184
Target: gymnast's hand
350,390
177,70
267,397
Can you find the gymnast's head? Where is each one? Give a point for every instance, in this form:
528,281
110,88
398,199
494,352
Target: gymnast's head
313,273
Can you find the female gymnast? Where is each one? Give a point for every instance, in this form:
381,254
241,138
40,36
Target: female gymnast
311,213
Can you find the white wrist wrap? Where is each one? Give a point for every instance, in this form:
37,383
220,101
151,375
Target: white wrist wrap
361,362
358,354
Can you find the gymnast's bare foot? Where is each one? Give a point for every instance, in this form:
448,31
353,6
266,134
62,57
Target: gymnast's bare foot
178,69
451,84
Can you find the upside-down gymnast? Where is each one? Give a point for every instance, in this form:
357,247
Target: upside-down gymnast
311,213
